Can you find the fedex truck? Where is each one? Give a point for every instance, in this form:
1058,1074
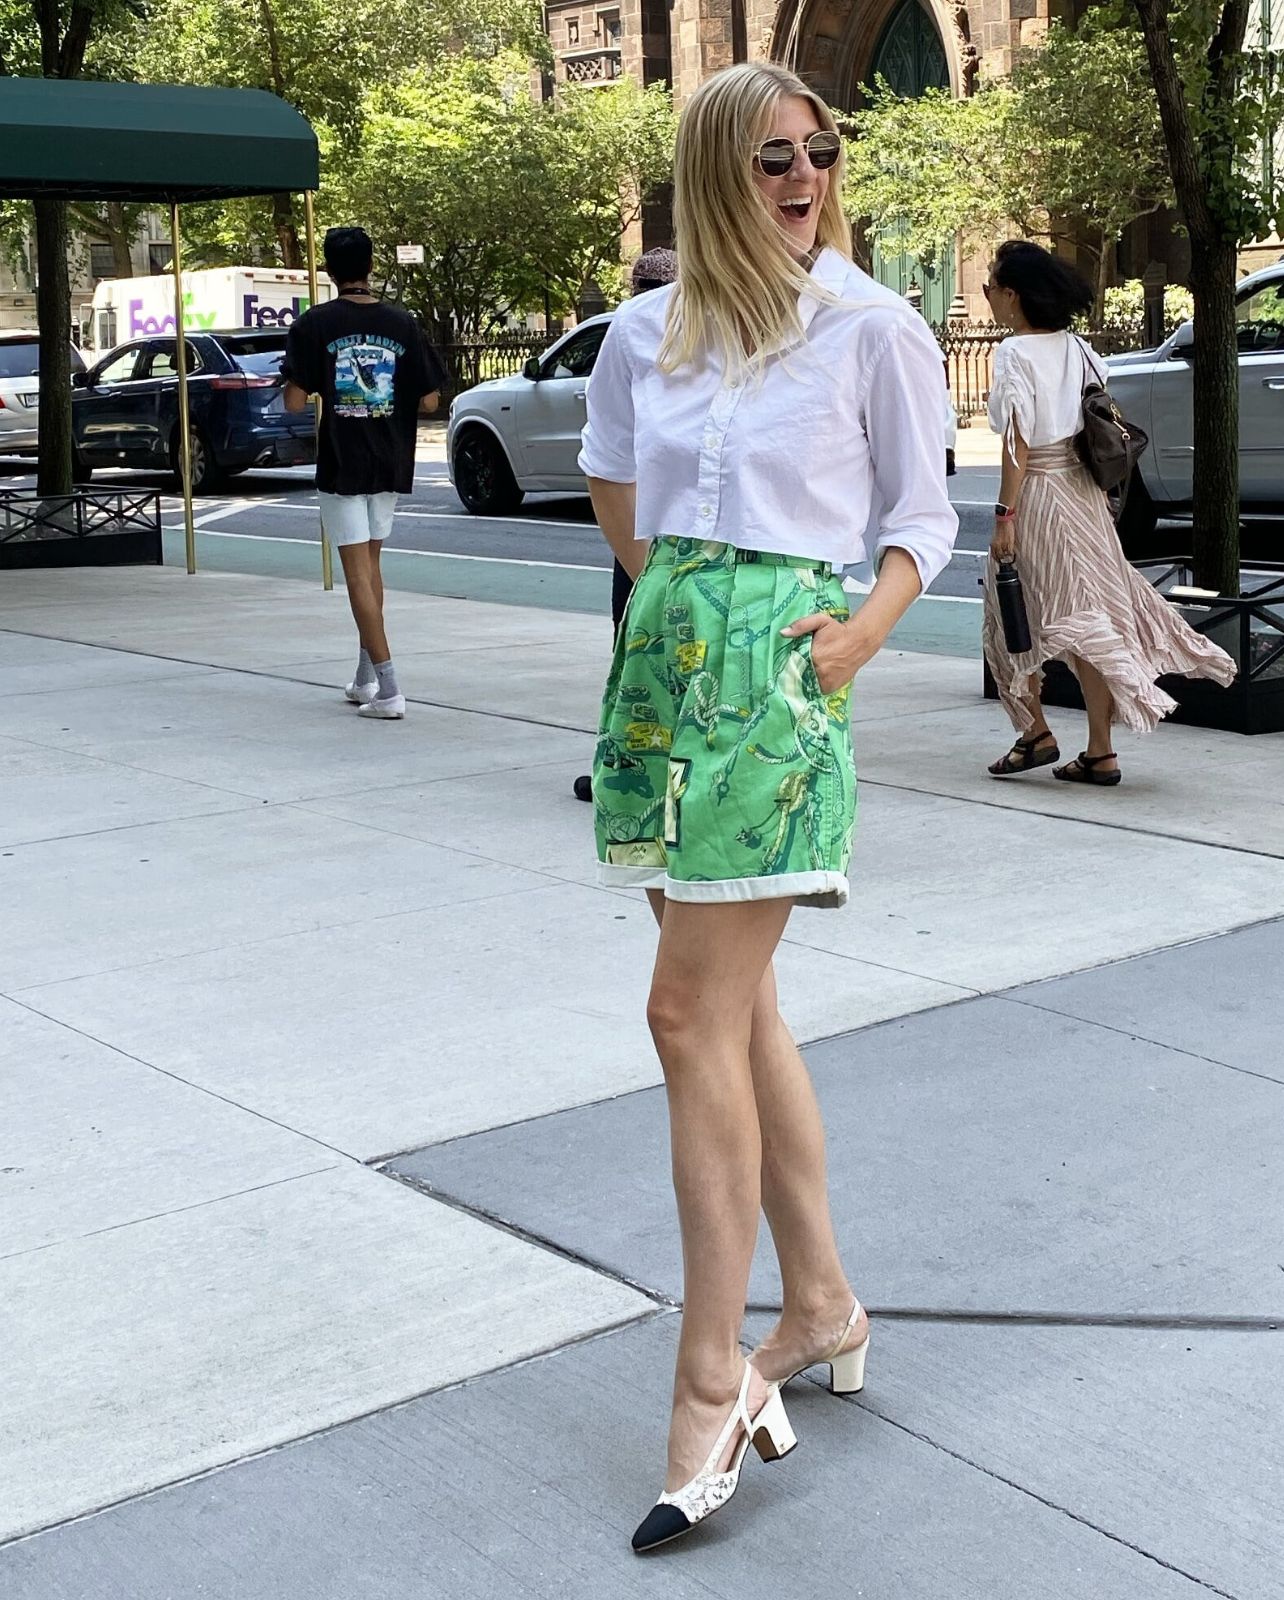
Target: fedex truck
213,297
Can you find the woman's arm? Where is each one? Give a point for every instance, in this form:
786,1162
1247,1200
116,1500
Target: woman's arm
615,506
1003,545
918,525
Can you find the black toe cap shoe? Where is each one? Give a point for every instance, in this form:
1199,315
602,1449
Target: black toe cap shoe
661,1523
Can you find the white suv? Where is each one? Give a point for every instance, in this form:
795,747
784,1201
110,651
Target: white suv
520,434
20,390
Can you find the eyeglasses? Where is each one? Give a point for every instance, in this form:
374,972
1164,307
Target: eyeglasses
776,156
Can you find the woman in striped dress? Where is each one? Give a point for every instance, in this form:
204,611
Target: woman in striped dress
1087,606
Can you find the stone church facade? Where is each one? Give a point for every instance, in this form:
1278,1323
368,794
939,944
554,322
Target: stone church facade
838,46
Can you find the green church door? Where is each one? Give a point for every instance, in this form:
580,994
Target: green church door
911,57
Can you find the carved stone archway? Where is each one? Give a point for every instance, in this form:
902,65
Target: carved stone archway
832,43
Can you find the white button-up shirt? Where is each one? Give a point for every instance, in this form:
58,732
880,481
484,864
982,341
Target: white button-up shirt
840,445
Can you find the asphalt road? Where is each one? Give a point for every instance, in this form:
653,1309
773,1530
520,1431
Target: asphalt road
549,529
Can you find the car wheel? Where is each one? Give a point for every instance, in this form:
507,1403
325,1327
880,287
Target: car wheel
1136,519
483,478
207,475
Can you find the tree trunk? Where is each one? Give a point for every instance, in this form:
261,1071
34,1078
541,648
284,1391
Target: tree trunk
287,231
53,316
1216,418
118,233
1105,272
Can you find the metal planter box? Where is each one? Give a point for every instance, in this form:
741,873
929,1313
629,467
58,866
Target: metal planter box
90,528
1250,629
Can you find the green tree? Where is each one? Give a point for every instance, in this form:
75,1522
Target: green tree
322,58
50,39
1065,149
1088,146
922,171
1220,98
513,200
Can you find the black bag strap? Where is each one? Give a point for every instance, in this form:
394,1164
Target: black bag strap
1090,375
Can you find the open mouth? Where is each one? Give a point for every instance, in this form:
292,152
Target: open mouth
796,209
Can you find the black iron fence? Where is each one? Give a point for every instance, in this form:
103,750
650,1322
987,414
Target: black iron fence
482,359
968,349
969,359
91,527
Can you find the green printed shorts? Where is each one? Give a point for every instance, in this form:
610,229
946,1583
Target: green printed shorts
722,771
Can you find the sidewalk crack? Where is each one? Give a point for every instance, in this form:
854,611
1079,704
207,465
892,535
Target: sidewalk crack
1043,1500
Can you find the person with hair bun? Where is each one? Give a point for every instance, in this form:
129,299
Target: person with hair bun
746,426
1086,605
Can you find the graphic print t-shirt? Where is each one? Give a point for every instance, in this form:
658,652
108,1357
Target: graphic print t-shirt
371,367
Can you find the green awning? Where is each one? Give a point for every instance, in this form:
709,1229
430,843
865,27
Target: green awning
149,142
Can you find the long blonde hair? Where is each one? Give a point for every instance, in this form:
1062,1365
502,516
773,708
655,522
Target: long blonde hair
738,286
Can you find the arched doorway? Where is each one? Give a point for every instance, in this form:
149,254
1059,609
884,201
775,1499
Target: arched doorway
910,55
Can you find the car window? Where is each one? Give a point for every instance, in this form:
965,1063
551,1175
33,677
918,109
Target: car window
258,354
20,358
1259,320
161,361
118,368
576,357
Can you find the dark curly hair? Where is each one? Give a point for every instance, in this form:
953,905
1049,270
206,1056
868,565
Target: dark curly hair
1052,292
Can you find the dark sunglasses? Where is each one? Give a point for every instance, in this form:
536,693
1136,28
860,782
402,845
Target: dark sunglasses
775,157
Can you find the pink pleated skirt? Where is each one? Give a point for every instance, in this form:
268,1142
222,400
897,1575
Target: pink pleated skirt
1085,601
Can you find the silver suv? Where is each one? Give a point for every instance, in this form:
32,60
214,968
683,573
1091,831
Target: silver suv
1153,389
20,390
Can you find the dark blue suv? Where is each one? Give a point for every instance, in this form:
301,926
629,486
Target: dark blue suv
125,409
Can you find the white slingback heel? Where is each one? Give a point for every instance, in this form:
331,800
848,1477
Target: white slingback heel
676,1513
846,1367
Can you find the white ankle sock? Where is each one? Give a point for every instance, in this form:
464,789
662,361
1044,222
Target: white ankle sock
387,675
365,672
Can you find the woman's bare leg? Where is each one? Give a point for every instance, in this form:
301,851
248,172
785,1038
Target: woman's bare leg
709,966
1100,706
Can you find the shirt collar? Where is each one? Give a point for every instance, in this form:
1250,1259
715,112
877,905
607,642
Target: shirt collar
830,272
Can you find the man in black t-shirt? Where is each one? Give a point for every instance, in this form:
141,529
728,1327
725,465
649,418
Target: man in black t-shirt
375,375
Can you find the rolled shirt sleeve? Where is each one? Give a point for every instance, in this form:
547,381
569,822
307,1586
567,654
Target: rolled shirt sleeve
1011,402
905,428
607,440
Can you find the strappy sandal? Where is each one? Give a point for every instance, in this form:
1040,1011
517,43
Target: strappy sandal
1009,765
1082,770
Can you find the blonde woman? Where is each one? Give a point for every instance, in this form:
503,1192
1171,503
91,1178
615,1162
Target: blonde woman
745,426
1086,605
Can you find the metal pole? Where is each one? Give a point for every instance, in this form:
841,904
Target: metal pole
184,411
327,561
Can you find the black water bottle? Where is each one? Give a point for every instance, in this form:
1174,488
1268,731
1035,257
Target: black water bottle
1011,598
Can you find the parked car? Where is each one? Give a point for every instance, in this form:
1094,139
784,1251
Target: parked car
125,409
1153,389
512,436
20,390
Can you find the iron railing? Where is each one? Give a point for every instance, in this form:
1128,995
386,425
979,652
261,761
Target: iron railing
968,349
969,359
25,516
478,360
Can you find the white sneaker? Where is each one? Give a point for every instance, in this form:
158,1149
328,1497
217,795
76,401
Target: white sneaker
361,694
393,706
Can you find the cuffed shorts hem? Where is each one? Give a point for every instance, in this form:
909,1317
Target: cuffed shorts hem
822,890
357,518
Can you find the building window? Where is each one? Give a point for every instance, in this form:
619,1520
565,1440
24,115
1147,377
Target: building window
160,256
102,262
608,26
572,32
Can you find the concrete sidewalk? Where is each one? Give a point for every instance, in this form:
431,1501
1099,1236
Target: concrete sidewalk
337,1255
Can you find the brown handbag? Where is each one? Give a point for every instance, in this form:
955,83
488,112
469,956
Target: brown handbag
1108,444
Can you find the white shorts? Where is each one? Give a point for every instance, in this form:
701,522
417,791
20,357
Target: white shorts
357,518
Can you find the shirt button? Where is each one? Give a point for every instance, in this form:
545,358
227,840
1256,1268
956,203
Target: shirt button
706,511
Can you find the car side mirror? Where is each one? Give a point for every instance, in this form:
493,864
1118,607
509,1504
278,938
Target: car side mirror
531,369
80,380
1183,345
